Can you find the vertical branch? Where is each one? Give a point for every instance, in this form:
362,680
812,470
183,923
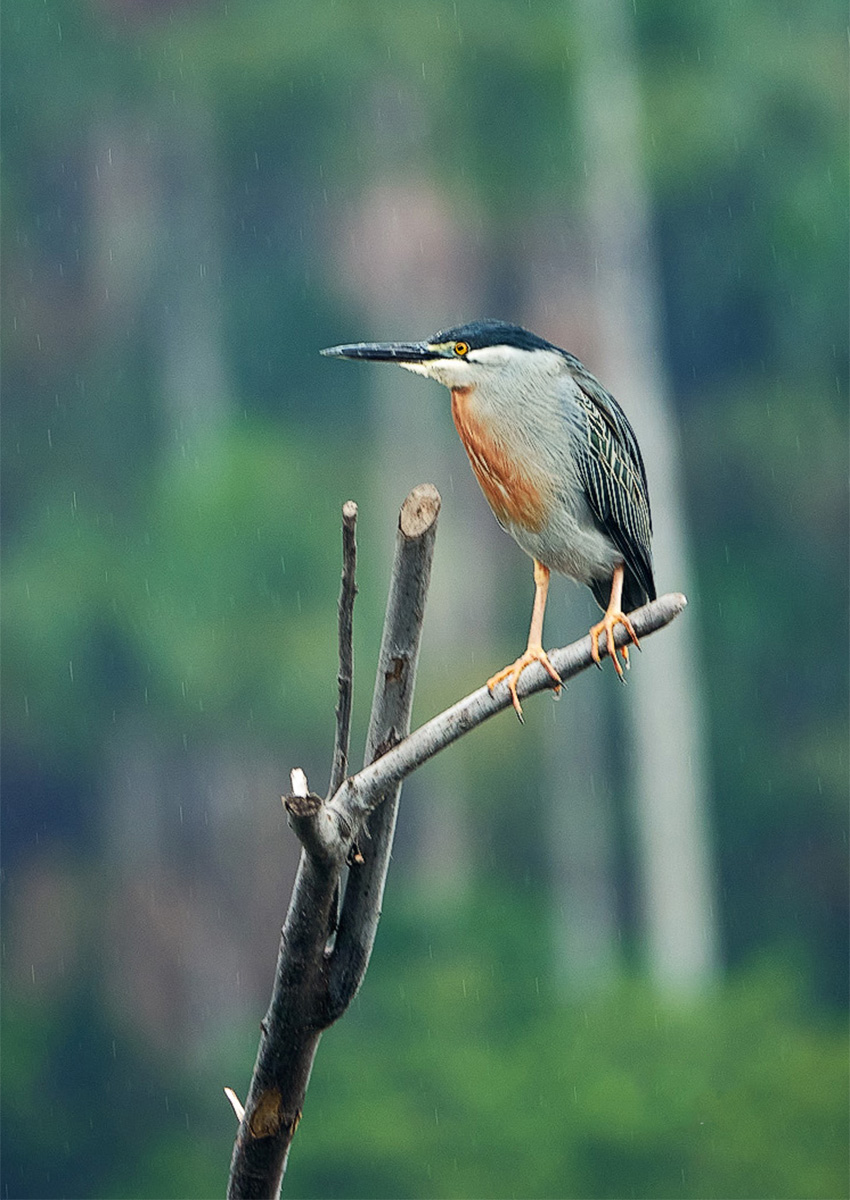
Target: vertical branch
389,723
305,999
291,1028
348,591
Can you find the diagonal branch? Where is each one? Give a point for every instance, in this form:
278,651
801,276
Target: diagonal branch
362,793
337,822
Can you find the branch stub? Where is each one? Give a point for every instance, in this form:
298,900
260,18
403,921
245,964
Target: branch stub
419,511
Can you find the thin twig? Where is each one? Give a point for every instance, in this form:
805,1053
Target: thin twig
348,591
235,1103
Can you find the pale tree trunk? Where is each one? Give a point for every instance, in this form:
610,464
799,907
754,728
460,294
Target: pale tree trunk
664,700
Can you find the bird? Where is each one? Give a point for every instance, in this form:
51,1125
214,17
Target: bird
557,461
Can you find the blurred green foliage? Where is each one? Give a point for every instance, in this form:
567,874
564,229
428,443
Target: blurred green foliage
622,1095
189,608
460,1072
192,580
91,1112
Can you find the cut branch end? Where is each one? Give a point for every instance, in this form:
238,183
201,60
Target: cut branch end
419,511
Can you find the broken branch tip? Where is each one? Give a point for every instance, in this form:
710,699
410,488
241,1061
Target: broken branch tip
299,782
235,1103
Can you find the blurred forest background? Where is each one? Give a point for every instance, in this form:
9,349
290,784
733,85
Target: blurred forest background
614,953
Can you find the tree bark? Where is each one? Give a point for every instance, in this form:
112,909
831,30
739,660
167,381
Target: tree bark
321,965
318,973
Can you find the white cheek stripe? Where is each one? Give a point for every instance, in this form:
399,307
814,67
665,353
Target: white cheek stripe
502,356
493,355
418,368
451,372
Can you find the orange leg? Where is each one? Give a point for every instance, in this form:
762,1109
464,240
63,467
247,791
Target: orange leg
534,651
614,616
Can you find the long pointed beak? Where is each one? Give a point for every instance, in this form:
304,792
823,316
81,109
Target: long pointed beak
397,352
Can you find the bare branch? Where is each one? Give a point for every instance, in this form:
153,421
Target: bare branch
363,792
289,1035
322,833
303,1001
348,591
388,725
318,974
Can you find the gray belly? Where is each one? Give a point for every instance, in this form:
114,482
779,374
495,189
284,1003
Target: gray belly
570,543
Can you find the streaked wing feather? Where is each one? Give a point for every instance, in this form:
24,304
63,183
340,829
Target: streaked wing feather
614,478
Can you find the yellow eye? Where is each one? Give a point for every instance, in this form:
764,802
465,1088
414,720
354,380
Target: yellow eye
461,348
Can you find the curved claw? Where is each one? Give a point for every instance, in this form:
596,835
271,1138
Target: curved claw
512,673
606,626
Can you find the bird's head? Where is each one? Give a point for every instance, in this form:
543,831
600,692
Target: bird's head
466,356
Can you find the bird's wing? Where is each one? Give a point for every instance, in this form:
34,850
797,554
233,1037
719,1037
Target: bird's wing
614,478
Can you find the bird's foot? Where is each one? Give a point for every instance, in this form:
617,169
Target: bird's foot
512,673
607,626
